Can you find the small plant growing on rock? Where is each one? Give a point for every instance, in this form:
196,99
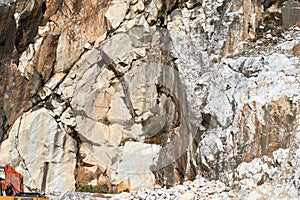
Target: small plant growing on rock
94,189
106,121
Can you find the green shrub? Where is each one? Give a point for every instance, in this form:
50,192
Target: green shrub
93,189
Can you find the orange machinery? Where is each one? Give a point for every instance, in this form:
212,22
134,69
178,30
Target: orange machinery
12,185
13,182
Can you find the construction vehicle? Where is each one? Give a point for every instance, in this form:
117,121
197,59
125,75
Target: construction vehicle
12,187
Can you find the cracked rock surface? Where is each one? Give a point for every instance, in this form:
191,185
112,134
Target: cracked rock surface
121,95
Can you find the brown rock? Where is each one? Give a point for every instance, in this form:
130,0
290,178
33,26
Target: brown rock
250,23
296,50
123,186
28,23
16,91
46,56
7,33
267,128
238,33
79,22
51,8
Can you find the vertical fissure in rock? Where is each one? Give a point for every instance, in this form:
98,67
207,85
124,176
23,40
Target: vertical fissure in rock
17,143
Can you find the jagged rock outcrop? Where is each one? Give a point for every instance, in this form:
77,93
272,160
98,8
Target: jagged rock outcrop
122,94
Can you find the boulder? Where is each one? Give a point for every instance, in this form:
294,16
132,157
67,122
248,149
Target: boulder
133,165
116,12
290,13
47,142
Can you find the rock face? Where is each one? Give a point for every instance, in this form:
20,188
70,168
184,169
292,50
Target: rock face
48,143
123,94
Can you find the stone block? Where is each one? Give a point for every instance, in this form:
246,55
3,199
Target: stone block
290,13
